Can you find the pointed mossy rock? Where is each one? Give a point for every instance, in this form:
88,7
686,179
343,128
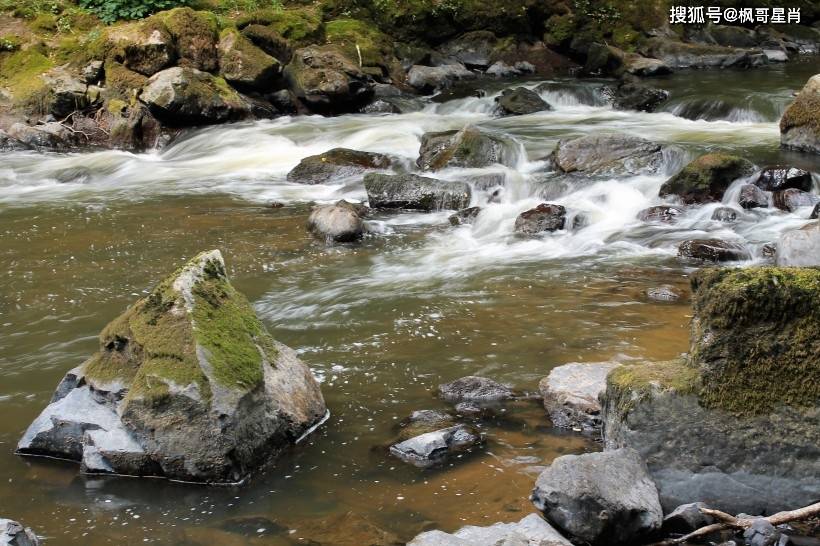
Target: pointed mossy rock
187,384
706,178
800,124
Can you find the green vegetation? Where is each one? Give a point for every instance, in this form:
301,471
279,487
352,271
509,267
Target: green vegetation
356,37
114,10
804,111
630,384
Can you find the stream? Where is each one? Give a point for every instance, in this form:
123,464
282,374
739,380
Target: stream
382,323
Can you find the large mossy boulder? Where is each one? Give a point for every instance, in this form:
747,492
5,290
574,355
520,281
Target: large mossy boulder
706,178
195,35
187,384
325,79
736,424
244,65
607,154
364,41
145,46
468,148
333,166
800,124
187,96
300,26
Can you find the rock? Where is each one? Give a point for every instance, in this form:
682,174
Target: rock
269,41
706,178
187,385
14,534
428,79
571,392
677,55
799,248
9,144
782,178
437,447
686,518
468,148
666,214
195,35
326,80
815,213
520,101
704,424
634,95
790,200
48,136
478,390
724,214
761,533
603,498
185,96
609,60
800,124
713,250
664,293
67,93
544,217
607,154
530,531
752,197
410,191
380,106
336,164
339,223
93,73
244,65
475,49
500,69
465,216
147,46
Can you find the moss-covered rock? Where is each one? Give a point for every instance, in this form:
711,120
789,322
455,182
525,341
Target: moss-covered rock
144,46
195,35
187,384
122,83
336,165
269,41
21,72
244,65
300,26
361,41
800,124
707,178
468,148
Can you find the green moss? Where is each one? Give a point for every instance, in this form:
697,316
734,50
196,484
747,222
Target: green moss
20,71
804,111
9,42
756,337
376,48
630,384
121,82
44,22
300,26
707,177
183,21
560,29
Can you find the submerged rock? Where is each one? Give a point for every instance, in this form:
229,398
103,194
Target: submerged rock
601,499
410,191
724,214
782,178
465,216
530,531
545,217
336,164
706,178
663,293
437,447
471,388
607,154
14,534
752,197
468,148
705,425
339,223
187,384
792,199
571,393
520,101
799,248
800,124
713,250
666,214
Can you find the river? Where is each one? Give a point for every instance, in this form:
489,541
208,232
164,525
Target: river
382,323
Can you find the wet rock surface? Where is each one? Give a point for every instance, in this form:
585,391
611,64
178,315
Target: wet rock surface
792,199
335,164
571,391
437,447
338,223
607,154
468,148
14,534
782,178
475,389
465,216
799,248
706,178
531,530
520,101
713,250
543,218
666,214
410,191
752,197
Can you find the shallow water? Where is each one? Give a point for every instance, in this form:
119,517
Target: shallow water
382,323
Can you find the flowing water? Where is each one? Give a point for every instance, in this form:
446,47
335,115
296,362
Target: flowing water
382,323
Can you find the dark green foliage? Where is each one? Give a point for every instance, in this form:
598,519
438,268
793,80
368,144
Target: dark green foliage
114,10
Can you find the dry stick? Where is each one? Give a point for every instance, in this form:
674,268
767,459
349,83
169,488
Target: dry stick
731,522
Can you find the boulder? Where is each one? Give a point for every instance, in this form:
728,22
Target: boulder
782,178
66,92
601,499
478,390
195,35
530,531
465,216
437,447
336,164
714,427
607,154
570,394
677,55
268,40
800,124
520,101
665,214
47,136
339,223
686,518
545,217
608,60
790,200
799,248
713,250
186,96
423,421
706,178
187,384
14,534
9,144
635,95
244,65
146,46
410,191
724,214
476,50
752,197
429,79
500,69
326,80
468,148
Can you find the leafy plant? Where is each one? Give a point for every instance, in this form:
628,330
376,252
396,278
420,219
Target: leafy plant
113,10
